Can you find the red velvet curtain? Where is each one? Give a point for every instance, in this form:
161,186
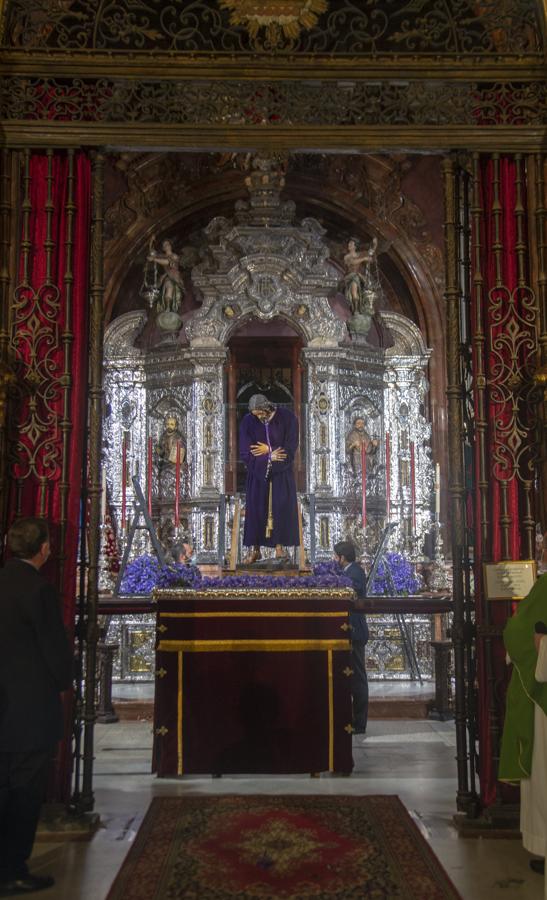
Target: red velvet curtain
50,336
498,309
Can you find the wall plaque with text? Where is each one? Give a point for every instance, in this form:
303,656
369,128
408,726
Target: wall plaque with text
510,579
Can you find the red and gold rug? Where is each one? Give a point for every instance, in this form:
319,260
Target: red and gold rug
294,848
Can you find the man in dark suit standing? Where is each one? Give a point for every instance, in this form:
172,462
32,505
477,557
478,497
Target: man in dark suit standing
35,666
344,553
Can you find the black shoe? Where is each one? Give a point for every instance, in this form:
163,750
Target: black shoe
26,884
357,730
538,865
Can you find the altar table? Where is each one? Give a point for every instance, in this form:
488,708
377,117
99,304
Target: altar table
252,682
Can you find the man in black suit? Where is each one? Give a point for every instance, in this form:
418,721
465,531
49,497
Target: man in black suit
344,553
35,666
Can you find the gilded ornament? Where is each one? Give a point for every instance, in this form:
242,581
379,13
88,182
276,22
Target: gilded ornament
323,404
283,20
7,377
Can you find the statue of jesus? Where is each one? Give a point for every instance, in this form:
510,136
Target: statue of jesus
268,440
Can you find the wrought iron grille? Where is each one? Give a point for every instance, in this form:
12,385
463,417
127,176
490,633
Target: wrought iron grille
268,103
315,27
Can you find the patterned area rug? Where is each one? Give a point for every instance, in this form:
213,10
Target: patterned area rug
294,848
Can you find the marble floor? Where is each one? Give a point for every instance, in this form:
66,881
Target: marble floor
414,759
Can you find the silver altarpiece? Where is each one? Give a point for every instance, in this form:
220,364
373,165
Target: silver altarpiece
263,266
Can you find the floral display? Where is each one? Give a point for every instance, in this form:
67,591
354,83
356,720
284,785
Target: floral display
141,575
145,573
405,580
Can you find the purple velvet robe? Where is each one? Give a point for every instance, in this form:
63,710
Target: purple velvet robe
283,430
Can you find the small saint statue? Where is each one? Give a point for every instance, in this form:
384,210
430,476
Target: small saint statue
171,438
171,285
358,282
357,438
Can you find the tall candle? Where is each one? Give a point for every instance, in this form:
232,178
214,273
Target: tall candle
437,492
364,483
177,486
124,478
388,476
413,485
103,495
149,476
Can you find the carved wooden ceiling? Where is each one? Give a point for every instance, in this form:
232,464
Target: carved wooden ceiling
300,74
323,27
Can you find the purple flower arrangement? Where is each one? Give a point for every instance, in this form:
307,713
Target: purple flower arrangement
140,576
145,573
402,573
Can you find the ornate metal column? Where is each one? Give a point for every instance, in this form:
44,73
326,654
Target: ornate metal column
8,184
538,203
94,478
208,442
466,797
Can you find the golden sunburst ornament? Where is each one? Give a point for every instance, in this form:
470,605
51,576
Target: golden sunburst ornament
283,20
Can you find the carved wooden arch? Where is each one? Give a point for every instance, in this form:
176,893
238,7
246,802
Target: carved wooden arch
216,195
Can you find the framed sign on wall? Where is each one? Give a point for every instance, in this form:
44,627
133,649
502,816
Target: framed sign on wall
510,579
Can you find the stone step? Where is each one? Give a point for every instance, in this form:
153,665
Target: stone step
400,708
379,708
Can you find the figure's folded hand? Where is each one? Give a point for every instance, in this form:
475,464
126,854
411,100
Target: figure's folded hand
259,449
279,454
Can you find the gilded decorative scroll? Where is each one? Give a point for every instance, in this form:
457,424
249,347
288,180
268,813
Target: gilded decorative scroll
35,346
286,26
271,104
513,333
281,21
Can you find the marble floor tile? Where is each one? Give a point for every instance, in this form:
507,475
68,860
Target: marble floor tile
414,759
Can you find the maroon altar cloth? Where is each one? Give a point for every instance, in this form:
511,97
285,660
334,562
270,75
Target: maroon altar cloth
252,682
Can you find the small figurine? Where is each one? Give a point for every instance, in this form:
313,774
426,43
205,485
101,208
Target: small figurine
170,437
356,438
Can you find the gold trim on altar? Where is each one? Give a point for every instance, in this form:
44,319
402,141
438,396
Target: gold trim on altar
189,646
253,615
245,646
253,594
331,710
179,716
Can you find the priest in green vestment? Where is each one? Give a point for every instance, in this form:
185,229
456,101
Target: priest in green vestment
523,754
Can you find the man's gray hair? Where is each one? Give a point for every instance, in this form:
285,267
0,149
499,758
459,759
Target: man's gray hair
259,401
26,536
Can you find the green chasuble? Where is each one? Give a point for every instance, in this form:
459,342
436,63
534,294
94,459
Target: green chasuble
524,691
